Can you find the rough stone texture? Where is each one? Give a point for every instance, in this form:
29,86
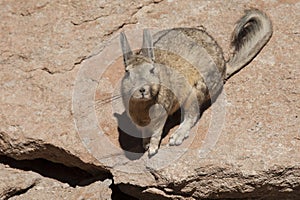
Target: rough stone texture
49,189
17,184
45,44
16,181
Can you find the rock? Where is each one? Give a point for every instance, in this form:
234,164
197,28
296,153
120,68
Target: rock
59,70
48,190
18,184
41,48
14,182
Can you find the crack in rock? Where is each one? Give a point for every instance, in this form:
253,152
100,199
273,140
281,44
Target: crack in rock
35,149
12,192
278,182
30,11
88,20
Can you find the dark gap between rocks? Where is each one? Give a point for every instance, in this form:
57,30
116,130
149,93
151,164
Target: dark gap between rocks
18,192
117,194
74,176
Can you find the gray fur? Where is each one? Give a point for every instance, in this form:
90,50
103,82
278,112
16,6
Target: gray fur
183,68
127,53
250,35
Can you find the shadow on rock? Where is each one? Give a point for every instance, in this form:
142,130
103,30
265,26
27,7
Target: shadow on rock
130,138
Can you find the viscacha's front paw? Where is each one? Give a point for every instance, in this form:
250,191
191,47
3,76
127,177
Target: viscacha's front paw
178,137
146,143
152,151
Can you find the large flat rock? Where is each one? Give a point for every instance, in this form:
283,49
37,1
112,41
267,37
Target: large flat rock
60,61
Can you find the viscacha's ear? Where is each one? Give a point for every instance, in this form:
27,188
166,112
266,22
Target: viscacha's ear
147,48
127,53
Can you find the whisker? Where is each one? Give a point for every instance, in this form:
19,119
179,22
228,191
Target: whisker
109,99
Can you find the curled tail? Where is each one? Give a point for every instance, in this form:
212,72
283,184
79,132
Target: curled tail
250,35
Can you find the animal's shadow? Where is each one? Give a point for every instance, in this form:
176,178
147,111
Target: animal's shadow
130,137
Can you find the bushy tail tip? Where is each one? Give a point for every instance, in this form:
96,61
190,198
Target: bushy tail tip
250,35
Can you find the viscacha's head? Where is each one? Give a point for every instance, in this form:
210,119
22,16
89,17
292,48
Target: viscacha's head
141,79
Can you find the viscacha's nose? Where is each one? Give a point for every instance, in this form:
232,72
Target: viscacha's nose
142,90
